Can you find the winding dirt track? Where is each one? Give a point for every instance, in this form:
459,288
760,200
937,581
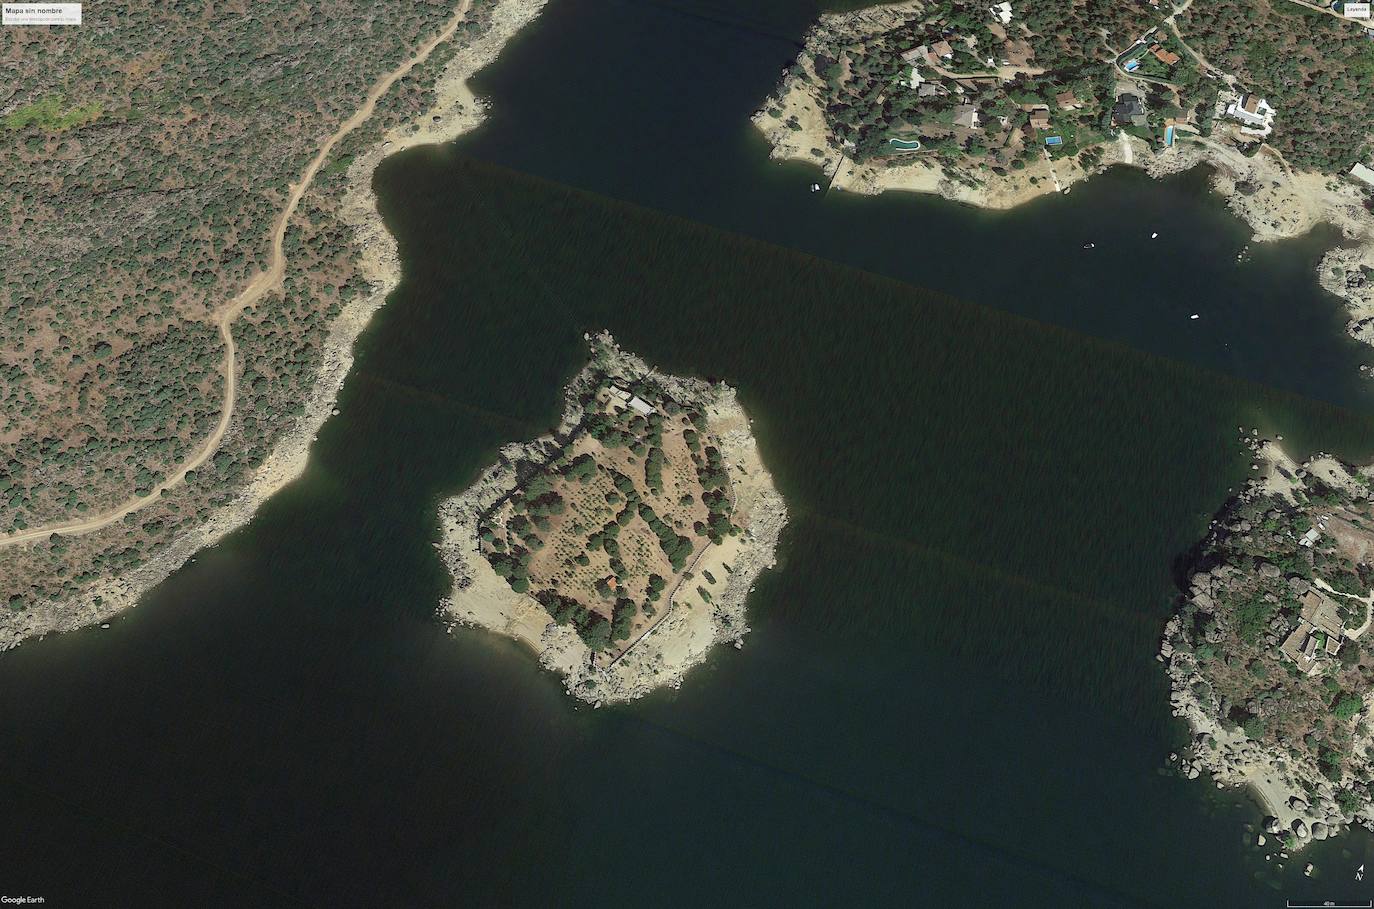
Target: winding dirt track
257,288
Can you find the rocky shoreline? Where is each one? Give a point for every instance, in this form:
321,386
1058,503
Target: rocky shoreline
1274,199
682,638
456,111
1302,804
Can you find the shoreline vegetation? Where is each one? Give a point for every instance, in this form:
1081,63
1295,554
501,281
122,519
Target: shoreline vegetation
539,591
455,111
1266,653
1276,199
997,106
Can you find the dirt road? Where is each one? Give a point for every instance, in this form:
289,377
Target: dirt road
261,285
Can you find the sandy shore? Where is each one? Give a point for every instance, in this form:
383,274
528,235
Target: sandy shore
691,624
455,112
1274,199
797,99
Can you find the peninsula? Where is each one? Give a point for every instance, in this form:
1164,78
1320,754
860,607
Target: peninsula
622,547
193,384
1268,652
996,104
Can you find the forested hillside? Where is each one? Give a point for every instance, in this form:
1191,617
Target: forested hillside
150,151
1317,70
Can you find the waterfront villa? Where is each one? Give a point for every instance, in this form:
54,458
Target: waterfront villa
1253,111
631,400
1129,111
1319,632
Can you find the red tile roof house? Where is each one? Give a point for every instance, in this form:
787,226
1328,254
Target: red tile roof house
1167,57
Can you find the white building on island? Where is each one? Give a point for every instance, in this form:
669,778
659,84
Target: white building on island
631,400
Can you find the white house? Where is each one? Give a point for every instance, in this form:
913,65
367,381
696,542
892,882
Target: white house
1002,12
1254,112
1363,174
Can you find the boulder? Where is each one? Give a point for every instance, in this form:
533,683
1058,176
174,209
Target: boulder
1300,828
1319,831
1297,803
1269,570
1363,330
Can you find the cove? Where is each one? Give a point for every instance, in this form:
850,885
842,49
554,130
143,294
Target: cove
659,115
949,696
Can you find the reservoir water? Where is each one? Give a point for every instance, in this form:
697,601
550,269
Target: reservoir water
995,449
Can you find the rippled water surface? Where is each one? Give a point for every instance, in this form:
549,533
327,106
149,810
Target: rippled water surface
995,447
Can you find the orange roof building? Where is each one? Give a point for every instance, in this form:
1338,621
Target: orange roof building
1164,55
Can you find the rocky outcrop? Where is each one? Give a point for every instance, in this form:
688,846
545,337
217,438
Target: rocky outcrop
1304,800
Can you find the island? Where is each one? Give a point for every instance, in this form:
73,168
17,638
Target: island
1268,652
622,547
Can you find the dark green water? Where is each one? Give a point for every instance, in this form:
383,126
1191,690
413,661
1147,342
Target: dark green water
949,697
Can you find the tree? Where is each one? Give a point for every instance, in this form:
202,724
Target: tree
581,468
1346,707
625,611
597,634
